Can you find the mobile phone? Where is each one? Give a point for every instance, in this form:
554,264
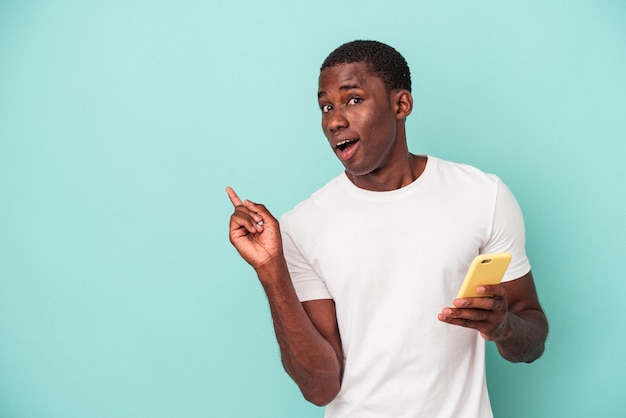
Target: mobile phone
485,269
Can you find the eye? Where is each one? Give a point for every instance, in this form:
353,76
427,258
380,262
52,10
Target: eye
326,108
355,100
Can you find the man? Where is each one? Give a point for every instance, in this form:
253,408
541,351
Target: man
361,280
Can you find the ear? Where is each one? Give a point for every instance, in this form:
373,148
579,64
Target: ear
403,100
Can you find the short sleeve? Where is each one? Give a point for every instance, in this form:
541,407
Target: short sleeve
307,283
508,233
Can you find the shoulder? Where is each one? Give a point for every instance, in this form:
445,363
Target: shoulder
462,181
462,172
320,201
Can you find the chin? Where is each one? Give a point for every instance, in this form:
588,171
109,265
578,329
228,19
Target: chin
359,171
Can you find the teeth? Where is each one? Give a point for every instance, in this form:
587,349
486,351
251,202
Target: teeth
344,144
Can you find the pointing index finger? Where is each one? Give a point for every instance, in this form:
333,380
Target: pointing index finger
235,200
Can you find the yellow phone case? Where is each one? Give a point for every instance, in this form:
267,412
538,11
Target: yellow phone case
485,269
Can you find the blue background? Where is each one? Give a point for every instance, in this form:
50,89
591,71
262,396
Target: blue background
121,122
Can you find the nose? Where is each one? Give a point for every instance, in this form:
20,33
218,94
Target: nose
336,120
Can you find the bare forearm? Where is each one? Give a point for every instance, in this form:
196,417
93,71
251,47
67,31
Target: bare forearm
307,357
526,337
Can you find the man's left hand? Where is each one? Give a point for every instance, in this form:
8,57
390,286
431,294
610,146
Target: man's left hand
488,315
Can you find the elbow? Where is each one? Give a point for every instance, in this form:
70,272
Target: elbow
321,394
523,354
536,354
321,389
540,346
319,384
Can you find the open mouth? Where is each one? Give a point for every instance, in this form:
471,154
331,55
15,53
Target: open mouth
344,145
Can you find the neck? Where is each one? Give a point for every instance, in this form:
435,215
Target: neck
392,178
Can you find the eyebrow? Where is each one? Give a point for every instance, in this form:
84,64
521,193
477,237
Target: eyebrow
342,88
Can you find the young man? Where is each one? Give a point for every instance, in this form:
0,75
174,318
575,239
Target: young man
361,280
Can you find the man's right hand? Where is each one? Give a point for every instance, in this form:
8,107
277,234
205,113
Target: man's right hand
254,232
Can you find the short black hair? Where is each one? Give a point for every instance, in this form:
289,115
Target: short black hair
382,60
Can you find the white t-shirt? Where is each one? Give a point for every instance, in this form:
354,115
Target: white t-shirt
391,261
